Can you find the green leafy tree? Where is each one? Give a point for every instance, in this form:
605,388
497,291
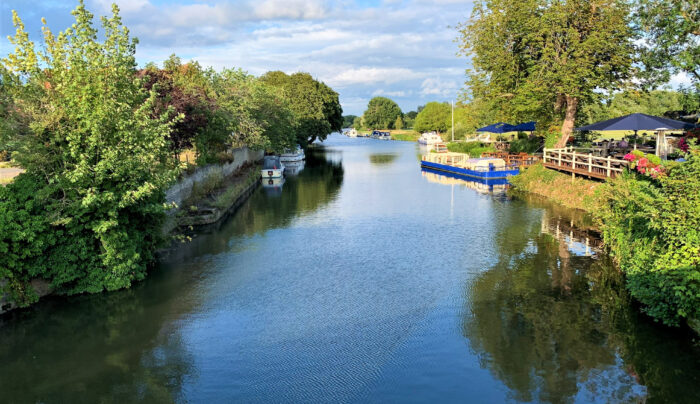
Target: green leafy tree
434,116
672,32
381,113
348,120
357,123
316,107
86,215
543,59
398,124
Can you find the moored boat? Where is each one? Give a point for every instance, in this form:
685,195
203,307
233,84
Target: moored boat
272,167
293,155
376,134
429,138
461,164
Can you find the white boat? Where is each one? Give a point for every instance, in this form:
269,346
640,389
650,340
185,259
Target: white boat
351,133
429,138
293,168
293,155
381,135
272,167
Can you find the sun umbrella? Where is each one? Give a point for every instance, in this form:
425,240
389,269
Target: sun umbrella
637,122
500,127
525,127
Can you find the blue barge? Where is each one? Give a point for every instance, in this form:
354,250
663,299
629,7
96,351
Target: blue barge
461,165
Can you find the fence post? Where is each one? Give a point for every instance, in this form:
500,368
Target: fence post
544,155
559,163
573,159
608,166
590,162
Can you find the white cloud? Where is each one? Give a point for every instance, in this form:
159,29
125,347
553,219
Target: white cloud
293,9
372,75
390,93
436,86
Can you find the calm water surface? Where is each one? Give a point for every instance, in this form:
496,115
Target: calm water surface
362,279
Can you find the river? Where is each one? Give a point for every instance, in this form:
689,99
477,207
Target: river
363,279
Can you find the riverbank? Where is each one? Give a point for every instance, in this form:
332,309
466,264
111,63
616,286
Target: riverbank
577,193
649,226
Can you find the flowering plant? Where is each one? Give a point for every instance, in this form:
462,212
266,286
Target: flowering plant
647,164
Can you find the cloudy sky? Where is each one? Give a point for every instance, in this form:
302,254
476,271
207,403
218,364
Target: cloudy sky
402,49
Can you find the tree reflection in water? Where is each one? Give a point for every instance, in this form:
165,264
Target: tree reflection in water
382,158
557,326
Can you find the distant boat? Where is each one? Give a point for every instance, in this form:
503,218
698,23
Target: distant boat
272,167
351,133
429,138
293,155
380,135
293,167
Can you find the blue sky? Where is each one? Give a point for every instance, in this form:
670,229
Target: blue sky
404,50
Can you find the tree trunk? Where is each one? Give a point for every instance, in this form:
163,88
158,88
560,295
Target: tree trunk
568,126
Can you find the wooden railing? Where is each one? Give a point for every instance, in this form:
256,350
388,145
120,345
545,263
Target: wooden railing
513,160
568,160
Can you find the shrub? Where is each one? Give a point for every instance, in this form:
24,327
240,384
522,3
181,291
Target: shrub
652,226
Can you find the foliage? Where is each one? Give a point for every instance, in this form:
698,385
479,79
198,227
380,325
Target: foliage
316,107
538,59
672,33
398,124
657,102
381,113
653,229
86,214
357,123
474,149
348,120
526,144
434,116
645,164
559,187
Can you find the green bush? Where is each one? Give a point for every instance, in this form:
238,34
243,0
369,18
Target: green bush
474,149
653,229
526,144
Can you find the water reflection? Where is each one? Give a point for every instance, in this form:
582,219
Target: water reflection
547,318
482,186
382,158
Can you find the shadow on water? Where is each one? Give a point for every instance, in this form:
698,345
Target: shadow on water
552,320
124,346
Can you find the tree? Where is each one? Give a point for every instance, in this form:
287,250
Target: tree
316,107
398,124
381,113
87,213
435,116
348,120
672,31
357,123
543,59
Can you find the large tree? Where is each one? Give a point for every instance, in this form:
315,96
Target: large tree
541,59
381,113
672,39
316,107
434,116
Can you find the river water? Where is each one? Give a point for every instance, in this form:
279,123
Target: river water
363,279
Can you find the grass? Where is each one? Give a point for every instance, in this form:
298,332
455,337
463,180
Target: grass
473,149
5,164
407,135
5,180
578,193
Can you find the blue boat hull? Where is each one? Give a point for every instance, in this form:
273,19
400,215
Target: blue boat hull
463,172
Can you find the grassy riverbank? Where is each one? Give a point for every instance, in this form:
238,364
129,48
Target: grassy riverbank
578,193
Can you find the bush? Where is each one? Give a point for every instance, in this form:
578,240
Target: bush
526,144
653,229
474,149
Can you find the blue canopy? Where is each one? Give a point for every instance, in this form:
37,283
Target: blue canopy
500,127
525,127
637,122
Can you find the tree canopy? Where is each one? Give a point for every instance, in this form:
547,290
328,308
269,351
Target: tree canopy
316,107
537,59
434,116
381,113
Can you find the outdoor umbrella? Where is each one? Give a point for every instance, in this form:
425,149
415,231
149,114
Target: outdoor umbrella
525,127
500,127
637,122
